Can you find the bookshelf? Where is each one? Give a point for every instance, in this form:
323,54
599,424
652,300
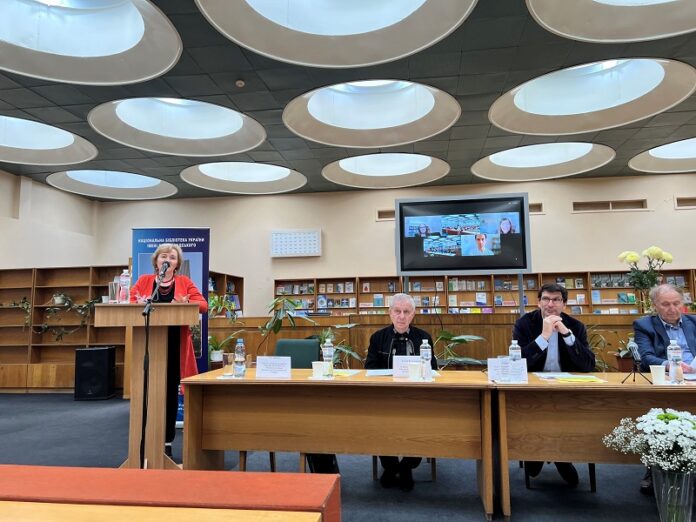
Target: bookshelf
229,285
604,293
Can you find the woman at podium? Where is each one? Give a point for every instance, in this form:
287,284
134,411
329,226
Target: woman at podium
181,361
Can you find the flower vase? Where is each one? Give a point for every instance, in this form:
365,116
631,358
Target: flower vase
674,494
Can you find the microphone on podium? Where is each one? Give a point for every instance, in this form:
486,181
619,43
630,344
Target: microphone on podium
163,270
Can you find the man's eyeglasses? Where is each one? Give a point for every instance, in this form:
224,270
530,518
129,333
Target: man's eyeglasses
551,299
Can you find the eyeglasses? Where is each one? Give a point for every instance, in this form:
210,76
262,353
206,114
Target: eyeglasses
551,300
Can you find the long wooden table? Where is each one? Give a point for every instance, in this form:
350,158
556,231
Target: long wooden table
450,417
552,421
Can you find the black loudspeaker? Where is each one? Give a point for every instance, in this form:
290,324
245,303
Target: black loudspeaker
95,373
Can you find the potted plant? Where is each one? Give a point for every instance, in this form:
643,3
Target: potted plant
281,308
217,347
61,299
449,356
220,306
598,344
343,351
665,441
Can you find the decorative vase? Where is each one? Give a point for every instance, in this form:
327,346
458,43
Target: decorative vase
216,356
624,364
674,494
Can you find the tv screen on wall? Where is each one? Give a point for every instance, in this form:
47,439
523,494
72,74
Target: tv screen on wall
463,235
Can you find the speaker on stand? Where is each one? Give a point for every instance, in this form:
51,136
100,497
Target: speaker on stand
95,373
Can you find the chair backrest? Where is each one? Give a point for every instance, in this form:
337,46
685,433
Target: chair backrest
301,351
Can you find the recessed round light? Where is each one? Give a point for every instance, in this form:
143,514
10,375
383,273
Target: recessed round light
238,177
613,21
177,126
336,33
103,42
676,157
594,96
543,161
369,114
387,170
108,184
33,143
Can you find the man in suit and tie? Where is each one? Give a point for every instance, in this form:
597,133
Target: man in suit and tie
653,334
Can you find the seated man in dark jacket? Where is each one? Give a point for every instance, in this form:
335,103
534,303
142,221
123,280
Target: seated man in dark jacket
398,339
552,341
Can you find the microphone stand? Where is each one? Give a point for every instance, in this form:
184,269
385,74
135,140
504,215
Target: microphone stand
146,368
634,371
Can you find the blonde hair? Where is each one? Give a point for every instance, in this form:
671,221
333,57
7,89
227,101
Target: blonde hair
168,247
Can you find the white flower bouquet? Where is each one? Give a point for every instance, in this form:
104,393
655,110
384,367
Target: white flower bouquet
664,439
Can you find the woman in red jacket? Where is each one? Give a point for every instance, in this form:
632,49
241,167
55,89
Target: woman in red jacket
181,361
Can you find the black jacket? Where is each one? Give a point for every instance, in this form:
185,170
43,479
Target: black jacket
383,346
575,358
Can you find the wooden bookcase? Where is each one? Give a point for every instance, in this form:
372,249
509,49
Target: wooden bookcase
37,346
603,293
229,285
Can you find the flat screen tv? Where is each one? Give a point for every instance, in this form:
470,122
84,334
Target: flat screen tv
463,235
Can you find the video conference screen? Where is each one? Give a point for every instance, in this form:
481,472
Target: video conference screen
463,235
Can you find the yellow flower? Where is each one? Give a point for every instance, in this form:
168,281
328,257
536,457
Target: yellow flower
653,252
666,257
623,255
632,257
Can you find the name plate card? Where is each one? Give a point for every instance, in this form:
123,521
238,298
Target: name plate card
271,367
401,363
503,370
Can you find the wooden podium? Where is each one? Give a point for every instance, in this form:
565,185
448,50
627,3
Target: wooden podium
162,316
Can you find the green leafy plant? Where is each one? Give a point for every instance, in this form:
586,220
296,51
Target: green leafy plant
448,354
598,344
343,352
25,305
281,308
221,305
215,344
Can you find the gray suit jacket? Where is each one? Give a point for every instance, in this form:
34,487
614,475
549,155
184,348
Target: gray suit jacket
652,338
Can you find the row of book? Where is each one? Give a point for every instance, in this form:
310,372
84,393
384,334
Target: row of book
454,284
295,289
336,288
324,301
507,284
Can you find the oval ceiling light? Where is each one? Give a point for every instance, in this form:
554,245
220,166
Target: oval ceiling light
676,157
96,42
593,96
237,177
369,114
176,126
543,161
109,184
615,21
32,143
388,170
336,33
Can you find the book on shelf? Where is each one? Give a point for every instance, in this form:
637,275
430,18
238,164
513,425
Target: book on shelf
525,300
596,296
580,298
322,288
451,300
569,283
453,284
352,301
470,285
497,285
630,298
416,286
329,288
345,302
296,289
339,288
388,300
480,285
572,302
687,298
498,300
531,284
679,281
321,301
507,284
365,286
622,298
280,290
575,310
439,286
509,302
436,300
348,287
391,286
561,281
330,302
671,280
609,300
579,283
378,299
426,300
365,304
481,298
417,300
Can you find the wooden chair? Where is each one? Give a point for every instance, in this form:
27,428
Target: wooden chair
301,352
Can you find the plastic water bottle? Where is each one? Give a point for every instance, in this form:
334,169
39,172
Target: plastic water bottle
426,355
327,355
124,283
514,351
676,374
239,359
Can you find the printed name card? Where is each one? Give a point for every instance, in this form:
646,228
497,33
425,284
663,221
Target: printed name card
401,363
271,367
503,370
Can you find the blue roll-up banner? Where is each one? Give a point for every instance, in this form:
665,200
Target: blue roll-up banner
195,244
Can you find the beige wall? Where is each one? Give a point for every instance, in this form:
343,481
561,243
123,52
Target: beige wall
354,243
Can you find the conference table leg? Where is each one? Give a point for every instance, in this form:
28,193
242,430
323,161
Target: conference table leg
195,457
484,467
504,466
